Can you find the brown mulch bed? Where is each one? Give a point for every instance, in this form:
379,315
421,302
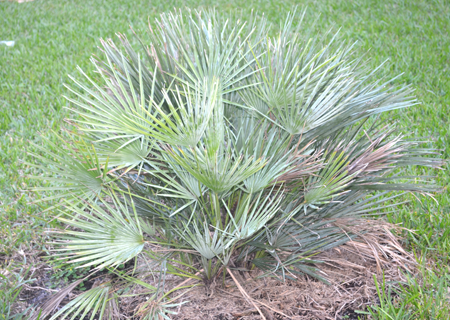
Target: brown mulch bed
351,288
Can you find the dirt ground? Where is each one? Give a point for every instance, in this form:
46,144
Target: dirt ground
351,288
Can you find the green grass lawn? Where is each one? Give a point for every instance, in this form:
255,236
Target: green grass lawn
53,37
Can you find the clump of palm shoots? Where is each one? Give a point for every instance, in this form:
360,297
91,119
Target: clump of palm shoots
215,147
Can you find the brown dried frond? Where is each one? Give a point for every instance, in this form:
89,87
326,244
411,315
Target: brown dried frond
54,301
376,242
377,156
304,165
146,307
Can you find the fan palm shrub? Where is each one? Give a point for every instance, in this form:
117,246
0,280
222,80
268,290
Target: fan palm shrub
214,147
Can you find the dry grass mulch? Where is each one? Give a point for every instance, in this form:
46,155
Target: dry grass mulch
351,288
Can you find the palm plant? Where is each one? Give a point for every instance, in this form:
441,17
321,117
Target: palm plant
215,147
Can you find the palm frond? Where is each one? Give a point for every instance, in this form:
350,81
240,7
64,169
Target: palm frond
268,144
54,301
330,180
75,168
110,234
96,302
203,46
220,171
122,153
116,111
253,212
188,115
208,243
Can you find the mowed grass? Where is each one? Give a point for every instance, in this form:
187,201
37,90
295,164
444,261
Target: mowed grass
53,37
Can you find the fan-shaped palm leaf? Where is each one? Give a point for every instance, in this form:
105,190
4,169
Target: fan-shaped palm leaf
78,174
110,234
220,173
97,302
